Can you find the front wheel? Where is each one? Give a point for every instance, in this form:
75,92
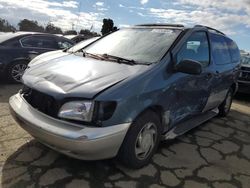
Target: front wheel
225,107
15,71
141,141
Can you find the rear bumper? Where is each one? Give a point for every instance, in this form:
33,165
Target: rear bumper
244,86
87,143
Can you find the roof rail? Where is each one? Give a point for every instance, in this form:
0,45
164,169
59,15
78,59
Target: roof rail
210,28
159,24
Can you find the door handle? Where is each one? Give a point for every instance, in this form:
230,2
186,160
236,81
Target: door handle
33,52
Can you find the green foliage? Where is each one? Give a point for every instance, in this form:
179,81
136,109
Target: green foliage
70,32
108,26
51,28
30,25
88,33
5,26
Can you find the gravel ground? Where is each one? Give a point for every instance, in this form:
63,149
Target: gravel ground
216,154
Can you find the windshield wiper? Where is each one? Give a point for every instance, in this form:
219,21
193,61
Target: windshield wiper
96,56
119,59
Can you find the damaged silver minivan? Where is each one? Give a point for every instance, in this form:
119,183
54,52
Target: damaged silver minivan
124,93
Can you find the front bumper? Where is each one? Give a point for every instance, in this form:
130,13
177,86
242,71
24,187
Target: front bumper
244,86
82,142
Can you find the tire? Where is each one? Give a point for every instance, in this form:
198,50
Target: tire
15,71
142,133
224,108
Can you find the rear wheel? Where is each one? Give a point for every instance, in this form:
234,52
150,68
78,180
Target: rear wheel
15,71
141,141
225,107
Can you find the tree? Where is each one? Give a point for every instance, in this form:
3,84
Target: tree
30,25
108,26
88,33
5,26
70,32
50,28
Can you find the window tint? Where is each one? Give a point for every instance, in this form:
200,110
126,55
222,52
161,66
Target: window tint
220,50
62,44
195,48
39,42
12,43
234,50
245,60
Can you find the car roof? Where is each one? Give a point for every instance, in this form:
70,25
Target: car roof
177,26
9,35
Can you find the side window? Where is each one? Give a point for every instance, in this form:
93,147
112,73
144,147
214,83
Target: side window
12,43
234,50
195,48
62,44
29,42
39,42
220,50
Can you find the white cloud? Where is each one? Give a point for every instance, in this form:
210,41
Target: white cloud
124,25
143,2
99,6
225,15
141,14
59,13
99,3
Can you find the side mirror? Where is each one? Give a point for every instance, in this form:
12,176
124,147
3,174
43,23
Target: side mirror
189,66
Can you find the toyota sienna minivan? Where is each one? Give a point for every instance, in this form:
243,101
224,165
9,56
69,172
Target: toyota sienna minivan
124,93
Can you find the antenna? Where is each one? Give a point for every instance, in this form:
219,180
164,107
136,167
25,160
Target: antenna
79,11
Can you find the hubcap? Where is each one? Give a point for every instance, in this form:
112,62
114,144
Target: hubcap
17,71
146,141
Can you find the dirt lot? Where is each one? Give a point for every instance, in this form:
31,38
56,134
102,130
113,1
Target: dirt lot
217,154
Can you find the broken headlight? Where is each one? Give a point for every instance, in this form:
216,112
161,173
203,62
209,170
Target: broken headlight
77,110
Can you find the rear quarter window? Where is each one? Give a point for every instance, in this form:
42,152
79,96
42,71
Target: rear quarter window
39,41
220,50
234,50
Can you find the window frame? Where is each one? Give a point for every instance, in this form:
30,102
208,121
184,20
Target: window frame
231,50
185,42
33,47
214,60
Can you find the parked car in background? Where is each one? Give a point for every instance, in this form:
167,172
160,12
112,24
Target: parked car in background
244,77
54,54
76,38
17,49
124,93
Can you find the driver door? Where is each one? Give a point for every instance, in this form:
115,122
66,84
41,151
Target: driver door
192,91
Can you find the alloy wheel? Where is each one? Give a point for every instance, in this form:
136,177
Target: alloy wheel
17,71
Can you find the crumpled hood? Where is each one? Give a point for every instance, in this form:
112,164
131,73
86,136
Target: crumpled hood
76,76
47,57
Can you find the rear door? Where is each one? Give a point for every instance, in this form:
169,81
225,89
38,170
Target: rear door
222,70
192,91
37,44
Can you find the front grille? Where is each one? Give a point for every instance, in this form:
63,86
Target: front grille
41,101
244,76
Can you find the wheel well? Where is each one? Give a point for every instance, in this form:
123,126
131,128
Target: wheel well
158,110
15,61
234,87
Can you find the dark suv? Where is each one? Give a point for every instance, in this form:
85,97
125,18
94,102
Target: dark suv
244,77
127,91
17,49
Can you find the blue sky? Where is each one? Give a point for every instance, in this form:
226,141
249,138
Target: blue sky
230,16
